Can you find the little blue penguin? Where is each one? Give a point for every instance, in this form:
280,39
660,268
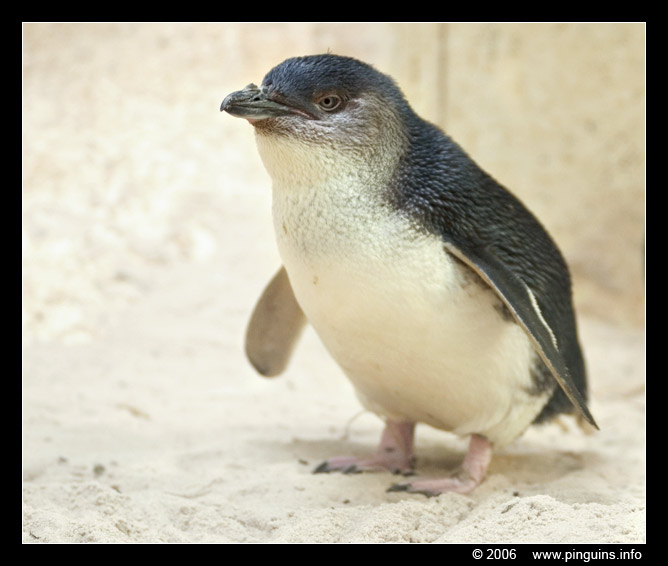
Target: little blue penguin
441,297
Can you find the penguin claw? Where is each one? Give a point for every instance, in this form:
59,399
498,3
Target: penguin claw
407,487
398,487
322,468
348,466
326,467
434,487
405,473
352,470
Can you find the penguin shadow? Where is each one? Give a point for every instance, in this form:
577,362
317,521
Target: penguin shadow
541,464
524,464
528,466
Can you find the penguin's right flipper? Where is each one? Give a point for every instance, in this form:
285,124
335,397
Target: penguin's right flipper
274,327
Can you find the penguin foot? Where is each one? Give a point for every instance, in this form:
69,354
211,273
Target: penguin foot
472,473
395,453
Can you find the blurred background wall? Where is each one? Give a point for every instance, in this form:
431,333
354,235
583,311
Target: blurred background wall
128,166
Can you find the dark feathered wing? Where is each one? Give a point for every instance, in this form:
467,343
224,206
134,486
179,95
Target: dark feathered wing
521,301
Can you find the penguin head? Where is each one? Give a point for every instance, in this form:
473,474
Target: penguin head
323,99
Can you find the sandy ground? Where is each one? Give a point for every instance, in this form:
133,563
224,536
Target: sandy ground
157,430
146,240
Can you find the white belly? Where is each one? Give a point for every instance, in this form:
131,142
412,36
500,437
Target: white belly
415,331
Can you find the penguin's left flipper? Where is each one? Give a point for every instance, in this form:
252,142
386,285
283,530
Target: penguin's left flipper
523,304
274,327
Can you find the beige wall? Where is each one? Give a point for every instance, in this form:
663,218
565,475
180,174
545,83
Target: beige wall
125,154
557,113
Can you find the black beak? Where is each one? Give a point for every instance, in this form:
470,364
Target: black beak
253,103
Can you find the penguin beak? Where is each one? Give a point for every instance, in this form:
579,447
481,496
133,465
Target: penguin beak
254,103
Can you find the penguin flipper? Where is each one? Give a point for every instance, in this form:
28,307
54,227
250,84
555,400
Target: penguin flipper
274,327
522,303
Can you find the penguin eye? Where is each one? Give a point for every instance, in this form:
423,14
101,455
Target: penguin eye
329,102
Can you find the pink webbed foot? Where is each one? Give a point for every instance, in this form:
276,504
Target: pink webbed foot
395,453
472,472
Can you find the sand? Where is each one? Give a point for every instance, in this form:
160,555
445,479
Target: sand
158,430
146,240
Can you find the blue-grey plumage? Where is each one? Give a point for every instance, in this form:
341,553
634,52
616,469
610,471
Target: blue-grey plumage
439,294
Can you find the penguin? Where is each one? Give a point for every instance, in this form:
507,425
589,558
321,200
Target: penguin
439,294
